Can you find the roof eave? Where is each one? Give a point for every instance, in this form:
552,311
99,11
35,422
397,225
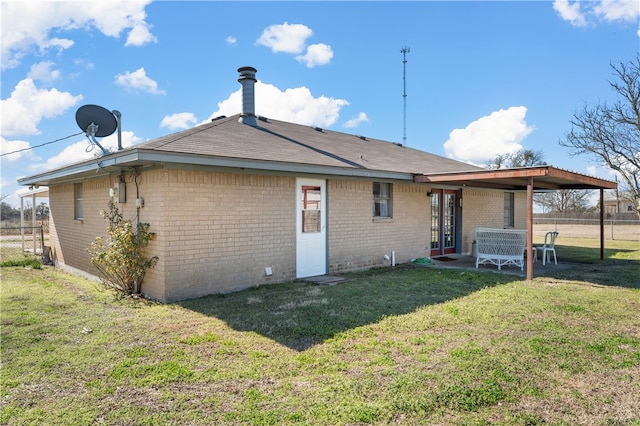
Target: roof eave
137,157
94,166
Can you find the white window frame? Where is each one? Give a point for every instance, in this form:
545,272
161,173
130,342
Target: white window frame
382,206
509,210
78,201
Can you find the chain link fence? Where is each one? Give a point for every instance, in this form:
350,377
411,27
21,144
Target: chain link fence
614,229
20,243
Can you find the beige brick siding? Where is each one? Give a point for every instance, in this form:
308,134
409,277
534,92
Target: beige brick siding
485,208
221,230
358,241
76,236
217,232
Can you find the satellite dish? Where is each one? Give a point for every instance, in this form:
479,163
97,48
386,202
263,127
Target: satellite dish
95,120
101,117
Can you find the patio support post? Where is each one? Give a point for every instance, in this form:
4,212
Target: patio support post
601,223
33,221
530,228
22,222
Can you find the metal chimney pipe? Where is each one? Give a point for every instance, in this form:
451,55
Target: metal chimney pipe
248,80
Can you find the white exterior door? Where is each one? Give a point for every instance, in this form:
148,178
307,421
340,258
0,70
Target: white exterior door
311,227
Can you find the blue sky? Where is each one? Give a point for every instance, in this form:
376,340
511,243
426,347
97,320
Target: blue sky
482,78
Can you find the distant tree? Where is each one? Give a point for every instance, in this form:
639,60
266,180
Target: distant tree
42,211
563,201
26,213
8,212
611,134
520,158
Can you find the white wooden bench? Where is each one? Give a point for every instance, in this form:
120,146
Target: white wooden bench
500,246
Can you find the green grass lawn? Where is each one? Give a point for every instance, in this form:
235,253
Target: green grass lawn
408,345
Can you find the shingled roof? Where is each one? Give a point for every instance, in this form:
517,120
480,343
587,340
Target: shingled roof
269,145
283,142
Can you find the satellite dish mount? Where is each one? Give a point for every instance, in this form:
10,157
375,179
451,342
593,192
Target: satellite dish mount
97,121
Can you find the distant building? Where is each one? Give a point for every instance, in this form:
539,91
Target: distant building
617,204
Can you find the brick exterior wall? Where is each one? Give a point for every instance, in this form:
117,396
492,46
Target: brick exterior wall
216,232
485,208
70,238
358,241
221,230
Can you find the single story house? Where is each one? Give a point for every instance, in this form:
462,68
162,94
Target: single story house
619,206
247,200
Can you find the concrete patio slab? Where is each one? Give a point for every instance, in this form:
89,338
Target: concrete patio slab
326,279
462,261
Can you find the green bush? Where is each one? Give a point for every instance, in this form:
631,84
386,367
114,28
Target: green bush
122,260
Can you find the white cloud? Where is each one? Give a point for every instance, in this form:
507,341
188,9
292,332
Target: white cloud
138,81
84,63
140,35
292,38
4,184
21,36
618,10
294,105
481,141
570,12
288,38
584,13
355,122
231,40
43,71
12,146
27,105
83,150
317,54
182,120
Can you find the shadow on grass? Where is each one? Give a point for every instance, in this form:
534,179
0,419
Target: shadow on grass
302,314
621,267
610,272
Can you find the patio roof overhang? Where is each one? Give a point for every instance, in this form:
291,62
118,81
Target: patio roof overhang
544,178
529,179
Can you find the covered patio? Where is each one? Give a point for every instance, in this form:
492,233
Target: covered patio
529,179
32,232
468,262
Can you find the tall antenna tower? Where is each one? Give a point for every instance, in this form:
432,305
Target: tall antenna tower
404,52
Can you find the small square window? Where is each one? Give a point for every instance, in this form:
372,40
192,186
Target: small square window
382,201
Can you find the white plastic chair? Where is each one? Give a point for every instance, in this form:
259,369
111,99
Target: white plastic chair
549,247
